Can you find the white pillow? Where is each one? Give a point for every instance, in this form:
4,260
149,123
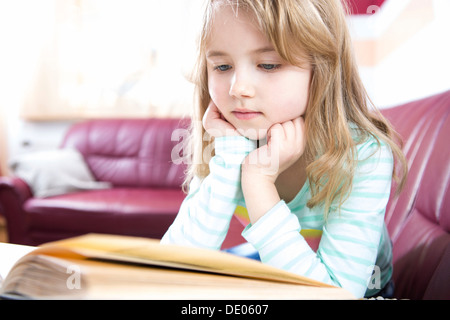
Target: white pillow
55,172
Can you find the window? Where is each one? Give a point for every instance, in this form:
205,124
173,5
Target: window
104,58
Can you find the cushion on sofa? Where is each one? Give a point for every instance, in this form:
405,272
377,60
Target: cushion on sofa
55,172
419,220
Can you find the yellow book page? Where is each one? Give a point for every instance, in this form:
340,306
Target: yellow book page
150,251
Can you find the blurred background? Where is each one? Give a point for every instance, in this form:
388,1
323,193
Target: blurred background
63,61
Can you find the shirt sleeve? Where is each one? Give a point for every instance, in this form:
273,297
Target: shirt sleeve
204,216
351,236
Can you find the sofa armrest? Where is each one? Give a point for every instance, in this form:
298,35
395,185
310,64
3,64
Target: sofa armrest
18,186
14,192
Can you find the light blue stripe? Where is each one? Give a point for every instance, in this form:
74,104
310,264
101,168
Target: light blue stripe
359,224
220,215
282,246
312,268
361,282
357,210
226,180
225,198
194,242
373,178
222,197
270,235
334,253
209,230
221,165
312,218
242,152
298,208
236,139
354,240
296,260
374,160
370,195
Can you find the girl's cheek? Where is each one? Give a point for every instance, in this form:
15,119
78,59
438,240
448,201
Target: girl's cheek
216,90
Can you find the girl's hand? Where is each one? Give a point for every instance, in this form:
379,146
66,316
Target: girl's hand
215,124
260,169
285,145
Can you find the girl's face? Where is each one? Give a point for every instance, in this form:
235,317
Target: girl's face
252,86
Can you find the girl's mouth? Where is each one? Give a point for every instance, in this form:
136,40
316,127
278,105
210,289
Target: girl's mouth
246,114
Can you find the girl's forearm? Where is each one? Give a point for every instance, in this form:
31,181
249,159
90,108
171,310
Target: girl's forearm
260,195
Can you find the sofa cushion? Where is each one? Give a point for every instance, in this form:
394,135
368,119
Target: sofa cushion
54,172
132,211
438,286
130,152
424,128
418,250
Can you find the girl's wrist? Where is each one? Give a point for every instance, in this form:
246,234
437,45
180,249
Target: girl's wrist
254,173
257,185
260,195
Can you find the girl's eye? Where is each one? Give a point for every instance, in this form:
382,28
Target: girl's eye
223,67
269,67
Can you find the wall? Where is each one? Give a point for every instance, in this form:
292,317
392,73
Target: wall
20,43
403,50
30,36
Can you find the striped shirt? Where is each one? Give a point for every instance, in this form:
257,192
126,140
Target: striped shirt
355,251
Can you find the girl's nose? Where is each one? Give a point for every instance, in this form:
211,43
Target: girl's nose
242,86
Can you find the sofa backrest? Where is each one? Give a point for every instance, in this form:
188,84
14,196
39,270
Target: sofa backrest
419,219
130,152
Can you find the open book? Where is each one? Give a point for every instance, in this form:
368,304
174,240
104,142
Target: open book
98,266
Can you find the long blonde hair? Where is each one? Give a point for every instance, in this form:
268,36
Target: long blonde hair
317,29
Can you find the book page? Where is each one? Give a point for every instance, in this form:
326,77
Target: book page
119,267
48,277
150,251
9,255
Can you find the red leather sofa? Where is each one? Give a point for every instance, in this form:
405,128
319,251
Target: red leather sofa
419,219
134,156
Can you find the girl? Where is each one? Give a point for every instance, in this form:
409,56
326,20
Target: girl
294,143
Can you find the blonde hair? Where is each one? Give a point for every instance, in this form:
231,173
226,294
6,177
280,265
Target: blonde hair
315,30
